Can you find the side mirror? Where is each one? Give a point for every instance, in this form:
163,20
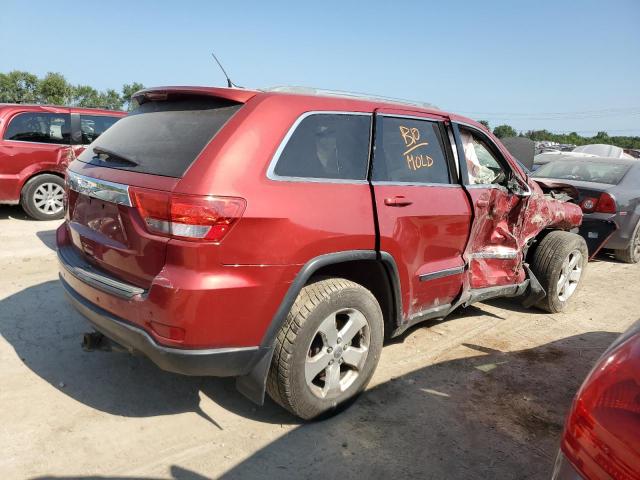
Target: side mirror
519,187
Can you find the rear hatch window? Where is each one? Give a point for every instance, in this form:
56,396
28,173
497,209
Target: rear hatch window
610,173
161,137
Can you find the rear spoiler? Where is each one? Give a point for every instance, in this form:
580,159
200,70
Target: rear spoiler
161,93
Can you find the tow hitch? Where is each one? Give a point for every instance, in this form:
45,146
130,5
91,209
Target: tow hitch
92,341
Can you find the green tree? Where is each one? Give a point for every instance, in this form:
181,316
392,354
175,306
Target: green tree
54,89
503,131
84,96
18,87
128,89
109,99
485,123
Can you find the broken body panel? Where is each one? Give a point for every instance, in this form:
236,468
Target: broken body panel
506,220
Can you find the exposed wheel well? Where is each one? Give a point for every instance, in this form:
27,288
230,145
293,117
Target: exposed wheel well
532,245
372,275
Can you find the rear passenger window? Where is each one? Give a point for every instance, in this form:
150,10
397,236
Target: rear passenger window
40,127
331,146
409,151
92,126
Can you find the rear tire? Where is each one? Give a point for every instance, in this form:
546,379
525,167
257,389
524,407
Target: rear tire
559,264
41,197
328,348
631,254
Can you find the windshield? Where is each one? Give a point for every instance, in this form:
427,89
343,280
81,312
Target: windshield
161,137
610,173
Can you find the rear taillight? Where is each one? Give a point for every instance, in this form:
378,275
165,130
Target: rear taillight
588,204
603,204
188,217
602,433
606,204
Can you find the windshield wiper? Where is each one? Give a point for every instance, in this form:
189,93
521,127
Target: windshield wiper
111,154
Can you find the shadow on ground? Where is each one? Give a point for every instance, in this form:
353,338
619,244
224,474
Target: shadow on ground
13,211
46,332
177,473
607,256
48,238
491,415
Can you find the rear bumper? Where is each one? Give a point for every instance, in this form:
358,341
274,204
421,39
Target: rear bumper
218,362
621,237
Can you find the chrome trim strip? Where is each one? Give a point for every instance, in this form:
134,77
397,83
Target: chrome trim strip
96,280
499,255
440,273
489,186
62,145
415,184
271,175
100,189
440,118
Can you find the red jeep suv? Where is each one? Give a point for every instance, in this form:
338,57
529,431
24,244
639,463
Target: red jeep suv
36,144
280,236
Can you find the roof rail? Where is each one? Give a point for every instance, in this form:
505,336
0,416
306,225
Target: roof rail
342,94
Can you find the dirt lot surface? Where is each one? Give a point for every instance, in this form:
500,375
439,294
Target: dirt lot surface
480,395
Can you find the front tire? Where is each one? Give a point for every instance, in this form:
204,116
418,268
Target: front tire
559,264
42,197
328,348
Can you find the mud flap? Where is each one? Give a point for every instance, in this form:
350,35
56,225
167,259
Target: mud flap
596,233
254,384
535,292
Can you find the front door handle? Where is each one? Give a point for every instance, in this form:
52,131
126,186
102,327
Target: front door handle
482,202
397,201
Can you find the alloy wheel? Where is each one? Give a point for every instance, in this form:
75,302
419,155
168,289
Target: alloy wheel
570,275
337,353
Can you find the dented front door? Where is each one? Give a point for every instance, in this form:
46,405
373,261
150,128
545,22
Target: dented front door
494,252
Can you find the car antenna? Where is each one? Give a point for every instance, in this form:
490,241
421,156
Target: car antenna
230,84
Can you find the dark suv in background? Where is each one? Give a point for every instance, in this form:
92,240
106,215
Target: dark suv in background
279,237
36,144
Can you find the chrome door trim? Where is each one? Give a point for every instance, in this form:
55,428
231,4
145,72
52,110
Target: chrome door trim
441,273
507,255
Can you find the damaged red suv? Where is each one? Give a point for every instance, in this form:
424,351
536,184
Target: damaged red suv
36,144
280,236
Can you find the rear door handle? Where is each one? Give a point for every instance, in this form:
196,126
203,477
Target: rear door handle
482,203
397,201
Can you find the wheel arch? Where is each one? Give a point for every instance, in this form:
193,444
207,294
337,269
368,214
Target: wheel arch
376,271
36,174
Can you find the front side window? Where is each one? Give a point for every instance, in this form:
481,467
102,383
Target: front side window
409,151
92,126
326,145
40,127
482,164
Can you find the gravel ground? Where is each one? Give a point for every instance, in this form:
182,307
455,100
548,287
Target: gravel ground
480,395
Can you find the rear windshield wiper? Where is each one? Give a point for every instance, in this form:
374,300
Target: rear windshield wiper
111,154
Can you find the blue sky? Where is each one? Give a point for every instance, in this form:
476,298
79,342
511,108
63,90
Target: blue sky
565,66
